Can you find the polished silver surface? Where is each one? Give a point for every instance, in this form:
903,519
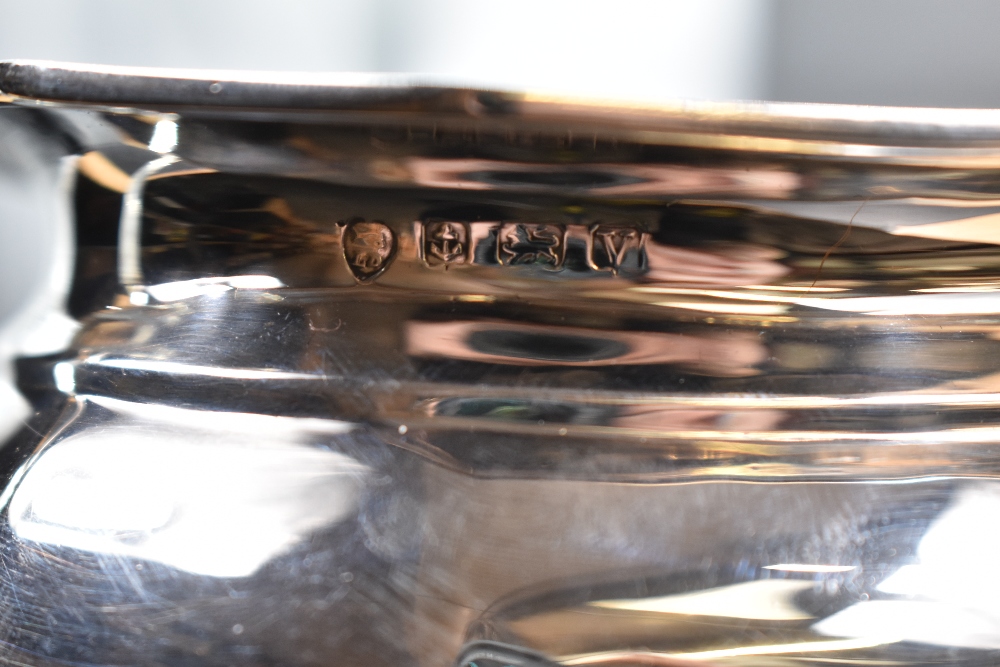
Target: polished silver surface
390,374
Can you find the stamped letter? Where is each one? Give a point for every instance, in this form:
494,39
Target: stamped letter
614,248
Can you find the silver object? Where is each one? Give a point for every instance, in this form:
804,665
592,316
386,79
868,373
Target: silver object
389,374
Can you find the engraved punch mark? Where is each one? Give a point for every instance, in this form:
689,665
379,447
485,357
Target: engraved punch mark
615,248
369,248
445,243
528,243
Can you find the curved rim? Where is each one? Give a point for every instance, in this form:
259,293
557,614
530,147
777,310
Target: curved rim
862,132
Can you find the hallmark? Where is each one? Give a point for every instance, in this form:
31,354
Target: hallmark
445,243
614,248
530,243
369,248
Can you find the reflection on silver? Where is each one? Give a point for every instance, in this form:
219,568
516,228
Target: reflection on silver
670,659
130,224
766,600
218,502
408,375
807,567
605,179
164,138
943,598
65,377
535,345
173,368
187,289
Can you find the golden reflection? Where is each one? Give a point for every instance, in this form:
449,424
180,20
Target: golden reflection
923,302
723,307
990,286
978,229
766,599
647,417
98,168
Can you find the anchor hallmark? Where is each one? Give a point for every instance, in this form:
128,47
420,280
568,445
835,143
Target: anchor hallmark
445,243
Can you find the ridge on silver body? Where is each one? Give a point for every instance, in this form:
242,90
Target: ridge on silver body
387,372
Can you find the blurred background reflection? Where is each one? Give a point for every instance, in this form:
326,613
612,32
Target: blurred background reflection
896,52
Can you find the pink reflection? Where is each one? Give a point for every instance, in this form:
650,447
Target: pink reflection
722,266
729,354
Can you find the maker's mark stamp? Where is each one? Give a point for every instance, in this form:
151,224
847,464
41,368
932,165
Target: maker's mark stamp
369,248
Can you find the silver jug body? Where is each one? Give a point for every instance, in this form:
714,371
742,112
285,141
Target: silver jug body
361,371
